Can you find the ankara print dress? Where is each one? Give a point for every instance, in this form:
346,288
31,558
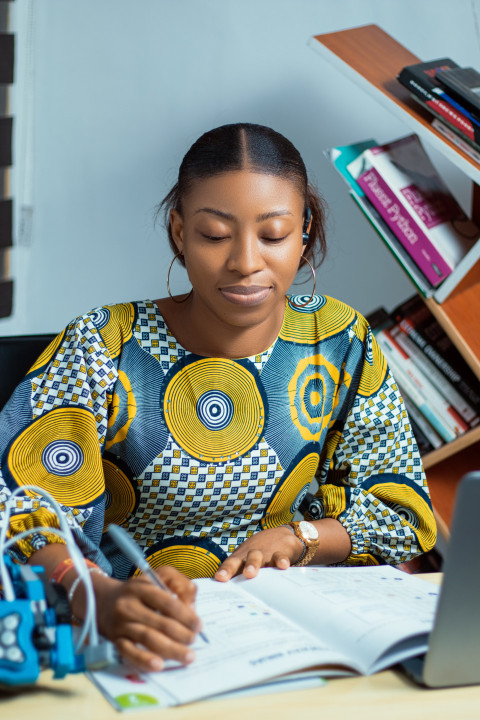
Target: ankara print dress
195,454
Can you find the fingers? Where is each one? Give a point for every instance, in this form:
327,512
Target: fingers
250,563
180,585
148,649
229,568
155,605
280,560
149,625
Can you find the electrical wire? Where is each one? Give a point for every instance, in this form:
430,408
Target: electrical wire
89,627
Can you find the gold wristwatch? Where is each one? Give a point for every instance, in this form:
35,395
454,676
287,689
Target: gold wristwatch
308,534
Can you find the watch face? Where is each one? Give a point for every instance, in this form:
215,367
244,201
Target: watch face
308,530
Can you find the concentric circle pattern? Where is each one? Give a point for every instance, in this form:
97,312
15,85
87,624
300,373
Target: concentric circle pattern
215,409
374,371
59,452
411,507
101,317
405,513
210,424
315,326
62,457
315,303
312,391
120,495
115,326
194,561
291,490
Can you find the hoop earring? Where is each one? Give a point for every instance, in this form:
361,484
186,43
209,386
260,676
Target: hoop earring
314,286
168,282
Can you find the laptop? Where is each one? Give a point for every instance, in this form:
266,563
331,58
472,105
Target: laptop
453,656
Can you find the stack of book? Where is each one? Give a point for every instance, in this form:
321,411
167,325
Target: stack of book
398,189
441,392
448,93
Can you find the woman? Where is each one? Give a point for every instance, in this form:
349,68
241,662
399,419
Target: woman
199,421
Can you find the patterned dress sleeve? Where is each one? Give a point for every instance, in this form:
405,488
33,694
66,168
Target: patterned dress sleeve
52,434
371,476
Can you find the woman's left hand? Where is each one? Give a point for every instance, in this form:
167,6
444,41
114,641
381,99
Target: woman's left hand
276,547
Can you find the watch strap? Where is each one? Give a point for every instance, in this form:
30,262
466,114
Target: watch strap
309,546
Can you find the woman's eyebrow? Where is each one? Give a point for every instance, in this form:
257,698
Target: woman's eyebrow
229,216
273,213
213,211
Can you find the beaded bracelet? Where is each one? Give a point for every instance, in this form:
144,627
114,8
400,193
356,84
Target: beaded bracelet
64,566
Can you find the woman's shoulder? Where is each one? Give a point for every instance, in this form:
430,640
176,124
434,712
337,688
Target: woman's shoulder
112,325
311,319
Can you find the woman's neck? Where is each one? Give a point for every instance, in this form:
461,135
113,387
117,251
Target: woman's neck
202,332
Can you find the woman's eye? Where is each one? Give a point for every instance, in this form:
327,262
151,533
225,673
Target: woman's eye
269,238
213,238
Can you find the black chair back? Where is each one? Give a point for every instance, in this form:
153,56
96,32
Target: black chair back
17,355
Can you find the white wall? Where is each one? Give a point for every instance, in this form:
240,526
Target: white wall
121,88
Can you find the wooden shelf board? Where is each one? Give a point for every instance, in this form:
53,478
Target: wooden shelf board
459,317
373,59
443,480
451,448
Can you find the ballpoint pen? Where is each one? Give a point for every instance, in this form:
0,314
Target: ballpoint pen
128,546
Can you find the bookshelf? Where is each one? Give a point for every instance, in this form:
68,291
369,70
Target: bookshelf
373,59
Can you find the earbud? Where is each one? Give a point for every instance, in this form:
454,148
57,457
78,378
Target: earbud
306,226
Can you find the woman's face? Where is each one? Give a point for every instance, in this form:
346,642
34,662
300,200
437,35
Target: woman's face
241,237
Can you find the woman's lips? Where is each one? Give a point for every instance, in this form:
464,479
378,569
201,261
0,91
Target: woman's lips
245,294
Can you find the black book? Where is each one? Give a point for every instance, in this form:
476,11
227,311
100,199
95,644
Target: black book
422,82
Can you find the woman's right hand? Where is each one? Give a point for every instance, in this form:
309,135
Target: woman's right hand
147,624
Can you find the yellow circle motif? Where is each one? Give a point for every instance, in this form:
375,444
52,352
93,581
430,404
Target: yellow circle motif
192,560
120,493
214,409
115,325
325,319
313,391
421,518
373,373
60,453
286,500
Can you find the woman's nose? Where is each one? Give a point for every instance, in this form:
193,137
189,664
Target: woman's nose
245,255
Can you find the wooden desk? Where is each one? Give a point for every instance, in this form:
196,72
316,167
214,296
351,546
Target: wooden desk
385,696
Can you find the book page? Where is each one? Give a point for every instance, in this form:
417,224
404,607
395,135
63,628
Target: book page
360,611
248,642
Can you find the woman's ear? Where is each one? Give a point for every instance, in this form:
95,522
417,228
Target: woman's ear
176,229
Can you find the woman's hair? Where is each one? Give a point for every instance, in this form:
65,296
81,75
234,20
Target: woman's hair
260,149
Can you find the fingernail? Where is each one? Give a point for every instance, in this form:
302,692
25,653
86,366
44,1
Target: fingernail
190,656
283,563
250,569
157,664
221,573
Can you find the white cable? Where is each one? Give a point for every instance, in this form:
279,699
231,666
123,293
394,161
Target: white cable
87,622
89,627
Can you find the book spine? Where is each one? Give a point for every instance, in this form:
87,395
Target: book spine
404,379
391,241
450,364
435,400
446,97
433,438
456,139
411,236
437,379
422,89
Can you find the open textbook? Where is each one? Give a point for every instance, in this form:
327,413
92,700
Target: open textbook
338,621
